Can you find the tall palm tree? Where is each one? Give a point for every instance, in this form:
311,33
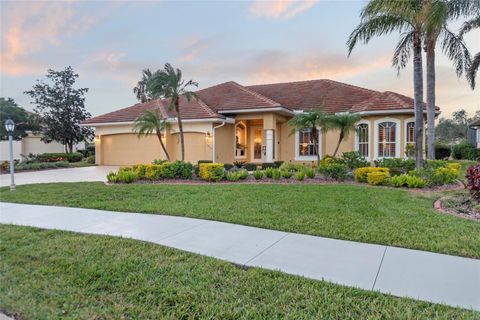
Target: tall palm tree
311,120
140,90
149,122
475,63
168,83
380,17
345,123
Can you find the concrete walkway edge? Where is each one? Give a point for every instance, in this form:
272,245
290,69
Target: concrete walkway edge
421,275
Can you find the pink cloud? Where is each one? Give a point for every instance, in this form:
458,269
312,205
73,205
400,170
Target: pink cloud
280,8
30,27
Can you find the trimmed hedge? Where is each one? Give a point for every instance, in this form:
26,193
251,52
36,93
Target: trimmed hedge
211,171
361,174
55,157
41,165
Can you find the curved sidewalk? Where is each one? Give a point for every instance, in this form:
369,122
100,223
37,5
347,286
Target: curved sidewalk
401,272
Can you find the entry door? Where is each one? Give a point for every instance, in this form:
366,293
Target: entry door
256,144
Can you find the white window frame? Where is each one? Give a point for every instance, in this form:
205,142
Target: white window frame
235,140
299,157
367,122
406,121
397,136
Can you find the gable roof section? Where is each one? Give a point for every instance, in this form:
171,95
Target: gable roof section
384,101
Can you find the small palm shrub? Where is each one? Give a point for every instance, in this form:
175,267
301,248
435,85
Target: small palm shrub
258,174
444,176
242,174
266,165
278,163
336,171
416,182
211,171
399,181
112,177
377,178
286,174
268,173
310,173
300,175
126,176
276,174
292,167
232,176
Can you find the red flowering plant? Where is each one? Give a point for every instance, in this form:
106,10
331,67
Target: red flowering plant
473,181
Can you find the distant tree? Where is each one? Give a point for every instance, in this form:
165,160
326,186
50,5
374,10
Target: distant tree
168,84
61,108
311,120
453,130
23,121
140,90
151,122
343,122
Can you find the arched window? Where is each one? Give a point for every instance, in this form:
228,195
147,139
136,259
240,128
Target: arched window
387,137
410,132
240,141
362,139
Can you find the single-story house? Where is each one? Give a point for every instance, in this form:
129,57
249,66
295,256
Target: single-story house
229,122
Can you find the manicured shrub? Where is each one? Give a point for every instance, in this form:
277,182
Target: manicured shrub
140,170
399,181
250,166
232,176
416,182
361,173
454,165
473,181
278,163
435,164
266,165
353,160
40,165
55,157
326,160
310,173
242,174
378,178
300,175
444,176
159,161
112,177
276,174
126,176
196,169
91,159
442,151
464,151
228,166
286,174
258,175
396,166
335,171
178,170
292,167
268,172
204,161
211,171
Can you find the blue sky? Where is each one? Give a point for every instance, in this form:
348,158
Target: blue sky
250,42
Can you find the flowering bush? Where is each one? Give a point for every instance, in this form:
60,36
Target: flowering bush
473,181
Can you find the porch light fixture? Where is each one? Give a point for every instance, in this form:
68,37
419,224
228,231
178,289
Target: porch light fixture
10,126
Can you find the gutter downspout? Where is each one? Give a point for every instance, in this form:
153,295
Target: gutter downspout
213,139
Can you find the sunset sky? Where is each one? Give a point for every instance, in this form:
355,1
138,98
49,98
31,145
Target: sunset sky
109,43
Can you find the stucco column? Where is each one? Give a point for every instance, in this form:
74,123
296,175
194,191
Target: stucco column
269,145
98,150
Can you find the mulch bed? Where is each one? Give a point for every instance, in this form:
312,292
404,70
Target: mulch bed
459,205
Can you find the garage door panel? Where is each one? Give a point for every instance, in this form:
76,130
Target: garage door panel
128,149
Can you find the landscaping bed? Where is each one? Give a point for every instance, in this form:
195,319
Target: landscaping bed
459,204
361,213
62,275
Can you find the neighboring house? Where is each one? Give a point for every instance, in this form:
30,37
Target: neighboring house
474,133
230,122
32,144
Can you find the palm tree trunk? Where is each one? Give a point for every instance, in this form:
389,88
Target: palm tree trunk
418,97
338,144
159,135
431,101
180,128
315,140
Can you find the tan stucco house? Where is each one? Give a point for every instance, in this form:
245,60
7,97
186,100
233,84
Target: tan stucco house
230,122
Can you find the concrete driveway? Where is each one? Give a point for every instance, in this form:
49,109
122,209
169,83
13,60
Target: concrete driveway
94,173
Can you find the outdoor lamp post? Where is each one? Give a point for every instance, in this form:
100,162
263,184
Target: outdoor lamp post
10,126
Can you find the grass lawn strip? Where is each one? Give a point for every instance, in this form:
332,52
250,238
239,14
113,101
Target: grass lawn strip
53,274
359,213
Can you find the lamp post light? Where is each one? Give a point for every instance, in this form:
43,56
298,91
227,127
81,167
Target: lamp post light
10,126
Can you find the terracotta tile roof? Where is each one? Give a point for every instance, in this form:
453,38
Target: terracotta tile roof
302,95
230,95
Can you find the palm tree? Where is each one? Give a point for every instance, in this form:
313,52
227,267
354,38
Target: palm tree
140,89
311,120
345,123
168,83
380,17
149,122
475,63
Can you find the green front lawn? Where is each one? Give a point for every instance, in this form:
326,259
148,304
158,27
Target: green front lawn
60,275
360,213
